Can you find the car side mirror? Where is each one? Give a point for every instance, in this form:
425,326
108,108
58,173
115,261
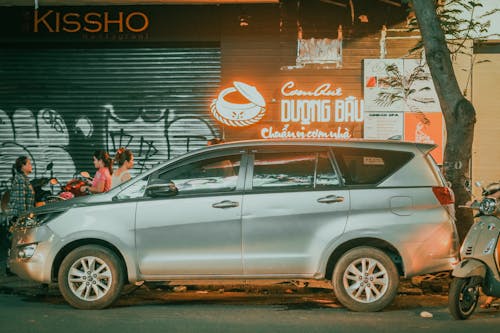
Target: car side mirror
161,190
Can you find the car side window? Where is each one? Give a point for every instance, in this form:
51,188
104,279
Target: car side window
135,190
218,174
293,171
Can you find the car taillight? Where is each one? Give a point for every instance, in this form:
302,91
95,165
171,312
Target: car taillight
444,195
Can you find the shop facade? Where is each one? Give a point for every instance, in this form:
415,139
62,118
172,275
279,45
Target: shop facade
166,79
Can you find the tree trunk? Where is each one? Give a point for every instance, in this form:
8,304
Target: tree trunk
459,114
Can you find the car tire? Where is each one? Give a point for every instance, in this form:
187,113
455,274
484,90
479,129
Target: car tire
90,277
365,279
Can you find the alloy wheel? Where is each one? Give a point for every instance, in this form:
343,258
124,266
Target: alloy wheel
90,278
366,280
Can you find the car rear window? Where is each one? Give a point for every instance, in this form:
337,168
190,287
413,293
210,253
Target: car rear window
369,166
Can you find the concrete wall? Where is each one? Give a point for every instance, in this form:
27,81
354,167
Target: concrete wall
478,79
485,96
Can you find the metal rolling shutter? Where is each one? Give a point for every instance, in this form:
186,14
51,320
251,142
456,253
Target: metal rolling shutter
59,105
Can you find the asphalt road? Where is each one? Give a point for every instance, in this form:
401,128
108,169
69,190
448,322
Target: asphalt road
211,311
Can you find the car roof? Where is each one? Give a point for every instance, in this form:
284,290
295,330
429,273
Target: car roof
358,143
424,148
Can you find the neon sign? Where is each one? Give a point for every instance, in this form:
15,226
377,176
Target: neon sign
238,106
309,109
318,113
92,22
324,89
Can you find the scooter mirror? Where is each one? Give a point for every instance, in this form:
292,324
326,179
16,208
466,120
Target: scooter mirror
85,174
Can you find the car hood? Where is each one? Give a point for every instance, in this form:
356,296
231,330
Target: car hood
75,202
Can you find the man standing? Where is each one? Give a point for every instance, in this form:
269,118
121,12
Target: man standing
22,195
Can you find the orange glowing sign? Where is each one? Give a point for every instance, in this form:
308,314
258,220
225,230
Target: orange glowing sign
238,106
317,105
92,22
320,112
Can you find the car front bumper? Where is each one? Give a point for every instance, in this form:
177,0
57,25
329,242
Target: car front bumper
30,255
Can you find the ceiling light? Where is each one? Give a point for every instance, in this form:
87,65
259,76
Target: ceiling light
363,18
244,20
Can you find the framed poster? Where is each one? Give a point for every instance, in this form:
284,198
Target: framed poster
399,85
379,95
421,94
383,125
425,128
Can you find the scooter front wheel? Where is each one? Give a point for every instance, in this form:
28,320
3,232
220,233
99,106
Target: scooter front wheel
463,297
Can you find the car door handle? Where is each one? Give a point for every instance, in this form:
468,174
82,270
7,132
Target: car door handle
330,199
225,204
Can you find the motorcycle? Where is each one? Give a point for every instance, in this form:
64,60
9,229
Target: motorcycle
480,257
71,189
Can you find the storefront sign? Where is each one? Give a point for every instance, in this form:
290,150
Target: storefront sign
92,22
239,106
317,105
318,113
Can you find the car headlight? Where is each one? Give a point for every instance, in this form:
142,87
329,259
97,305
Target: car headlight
33,220
26,251
488,206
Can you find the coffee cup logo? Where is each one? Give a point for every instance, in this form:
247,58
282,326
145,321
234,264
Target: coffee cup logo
239,106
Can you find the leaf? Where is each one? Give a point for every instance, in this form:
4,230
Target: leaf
387,98
475,4
410,91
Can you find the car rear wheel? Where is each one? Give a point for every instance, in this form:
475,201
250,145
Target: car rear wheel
90,277
365,279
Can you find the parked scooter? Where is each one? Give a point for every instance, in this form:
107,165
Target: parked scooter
480,257
72,188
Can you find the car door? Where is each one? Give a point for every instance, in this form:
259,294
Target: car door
189,222
293,207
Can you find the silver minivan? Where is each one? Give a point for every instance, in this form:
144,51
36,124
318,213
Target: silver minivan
358,213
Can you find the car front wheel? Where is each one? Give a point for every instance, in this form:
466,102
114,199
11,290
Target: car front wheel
90,277
365,279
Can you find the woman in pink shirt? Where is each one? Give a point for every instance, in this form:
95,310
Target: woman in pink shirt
102,179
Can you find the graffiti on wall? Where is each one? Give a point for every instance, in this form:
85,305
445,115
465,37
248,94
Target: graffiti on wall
156,136
45,136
